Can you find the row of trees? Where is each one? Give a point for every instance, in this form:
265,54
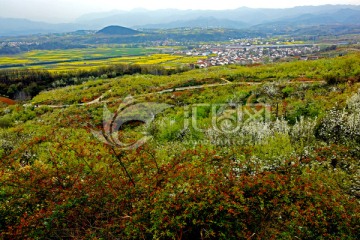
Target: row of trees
9,50
20,83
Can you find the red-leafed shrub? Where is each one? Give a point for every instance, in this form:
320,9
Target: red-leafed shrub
194,196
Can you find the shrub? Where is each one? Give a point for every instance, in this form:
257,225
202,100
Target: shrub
332,78
6,122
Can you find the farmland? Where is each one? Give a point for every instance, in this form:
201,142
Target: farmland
64,60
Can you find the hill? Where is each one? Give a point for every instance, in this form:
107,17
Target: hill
203,22
343,21
16,27
117,30
167,18
174,18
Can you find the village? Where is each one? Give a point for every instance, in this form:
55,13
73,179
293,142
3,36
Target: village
246,54
236,51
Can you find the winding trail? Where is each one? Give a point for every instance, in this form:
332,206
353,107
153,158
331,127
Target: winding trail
97,100
225,80
171,90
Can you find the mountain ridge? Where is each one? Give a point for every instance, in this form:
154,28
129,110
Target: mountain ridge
202,22
169,18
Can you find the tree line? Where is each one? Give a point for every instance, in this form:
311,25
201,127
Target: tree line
10,50
23,84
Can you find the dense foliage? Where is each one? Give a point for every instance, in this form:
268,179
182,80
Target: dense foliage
292,175
17,83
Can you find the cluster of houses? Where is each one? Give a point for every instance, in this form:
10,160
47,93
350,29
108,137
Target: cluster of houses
252,54
17,44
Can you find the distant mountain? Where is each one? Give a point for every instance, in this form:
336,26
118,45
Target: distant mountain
98,15
260,19
128,19
14,27
117,30
167,18
342,17
202,22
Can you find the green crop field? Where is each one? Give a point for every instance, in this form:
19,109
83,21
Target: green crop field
166,60
90,58
39,56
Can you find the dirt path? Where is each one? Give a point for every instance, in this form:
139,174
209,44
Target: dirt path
97,100
225,80
180,89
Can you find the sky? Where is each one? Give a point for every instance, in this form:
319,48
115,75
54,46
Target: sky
69,10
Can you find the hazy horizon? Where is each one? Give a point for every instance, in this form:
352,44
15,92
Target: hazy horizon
58,11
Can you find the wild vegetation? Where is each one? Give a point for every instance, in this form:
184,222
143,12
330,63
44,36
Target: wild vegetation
23,84
277,157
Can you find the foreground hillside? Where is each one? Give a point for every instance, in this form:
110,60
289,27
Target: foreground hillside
269,151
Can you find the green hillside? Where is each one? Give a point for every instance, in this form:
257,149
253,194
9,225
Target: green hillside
230,152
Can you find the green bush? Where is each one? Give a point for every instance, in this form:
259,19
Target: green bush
6,122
